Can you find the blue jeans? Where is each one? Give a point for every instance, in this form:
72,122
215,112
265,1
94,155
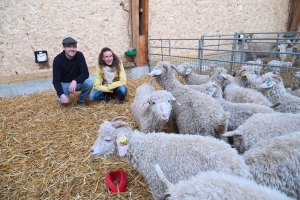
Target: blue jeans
120,91
84,87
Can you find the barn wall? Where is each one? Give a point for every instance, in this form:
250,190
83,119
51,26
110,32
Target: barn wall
28,25
32,25
179,19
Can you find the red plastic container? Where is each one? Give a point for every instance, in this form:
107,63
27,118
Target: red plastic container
119,176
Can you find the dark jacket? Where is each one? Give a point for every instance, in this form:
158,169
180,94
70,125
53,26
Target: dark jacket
65,70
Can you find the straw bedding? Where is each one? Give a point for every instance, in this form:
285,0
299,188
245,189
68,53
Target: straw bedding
45,149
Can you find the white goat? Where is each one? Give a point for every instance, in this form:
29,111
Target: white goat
276,65
275,163
271,85
151,109
191,78
256,65
245,76
237,94
262,126
217,185
198,113
239,112
261,48
180,156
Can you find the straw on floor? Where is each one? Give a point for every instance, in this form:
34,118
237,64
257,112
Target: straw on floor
45,149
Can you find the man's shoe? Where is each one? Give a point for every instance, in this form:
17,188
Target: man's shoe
107,99
121,102
81,103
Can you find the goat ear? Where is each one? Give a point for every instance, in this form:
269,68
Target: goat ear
178,103
188,71
146,103
211,91
155,73
216,85
251,77
122,143
268,84
277,77
173,99
236,72
230,133
224,75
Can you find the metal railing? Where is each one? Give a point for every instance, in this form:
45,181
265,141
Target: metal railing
227,50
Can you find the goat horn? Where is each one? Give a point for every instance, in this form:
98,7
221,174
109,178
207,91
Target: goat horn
120,124
151,80
117,118
175,68
166,66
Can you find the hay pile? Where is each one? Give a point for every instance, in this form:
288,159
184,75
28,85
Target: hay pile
45,149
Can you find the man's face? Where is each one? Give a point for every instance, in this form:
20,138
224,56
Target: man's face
70,50
108,58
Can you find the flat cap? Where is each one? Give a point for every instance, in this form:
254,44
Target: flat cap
69,40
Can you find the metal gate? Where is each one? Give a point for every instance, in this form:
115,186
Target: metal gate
229,51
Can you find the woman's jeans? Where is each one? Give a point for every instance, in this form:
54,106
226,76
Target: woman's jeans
121,92
84,87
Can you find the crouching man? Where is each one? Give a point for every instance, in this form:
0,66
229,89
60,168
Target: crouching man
70,73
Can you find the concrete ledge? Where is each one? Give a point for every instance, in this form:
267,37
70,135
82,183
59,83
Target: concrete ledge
30,87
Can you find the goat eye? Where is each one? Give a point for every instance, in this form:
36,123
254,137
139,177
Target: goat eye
153,102
169,100
107,140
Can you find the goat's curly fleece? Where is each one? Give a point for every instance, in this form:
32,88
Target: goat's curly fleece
272,87
239,112
191,78
263,126
148,115
237,94
198,112
218,185
180,156
275,163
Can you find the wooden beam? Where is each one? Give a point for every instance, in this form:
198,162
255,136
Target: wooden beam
143,50
294,16
144,37
135,29
139,27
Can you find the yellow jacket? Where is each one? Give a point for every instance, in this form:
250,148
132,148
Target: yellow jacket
120,79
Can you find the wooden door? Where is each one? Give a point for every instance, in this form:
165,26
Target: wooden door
294,16
139,22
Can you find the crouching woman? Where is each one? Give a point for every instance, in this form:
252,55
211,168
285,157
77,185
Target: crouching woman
110,77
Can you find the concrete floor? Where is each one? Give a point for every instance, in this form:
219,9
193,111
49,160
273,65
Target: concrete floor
36,86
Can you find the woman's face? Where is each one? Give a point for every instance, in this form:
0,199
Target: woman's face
108,58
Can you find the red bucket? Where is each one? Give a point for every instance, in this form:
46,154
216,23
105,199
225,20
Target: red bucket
119,176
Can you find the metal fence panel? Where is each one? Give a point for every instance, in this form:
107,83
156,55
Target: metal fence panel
231,51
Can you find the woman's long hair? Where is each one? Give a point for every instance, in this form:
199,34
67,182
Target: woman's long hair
116,60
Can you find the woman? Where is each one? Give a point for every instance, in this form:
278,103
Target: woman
110,77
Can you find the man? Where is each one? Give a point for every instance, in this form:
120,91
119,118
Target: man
70,73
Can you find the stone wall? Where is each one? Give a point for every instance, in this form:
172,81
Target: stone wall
33,25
